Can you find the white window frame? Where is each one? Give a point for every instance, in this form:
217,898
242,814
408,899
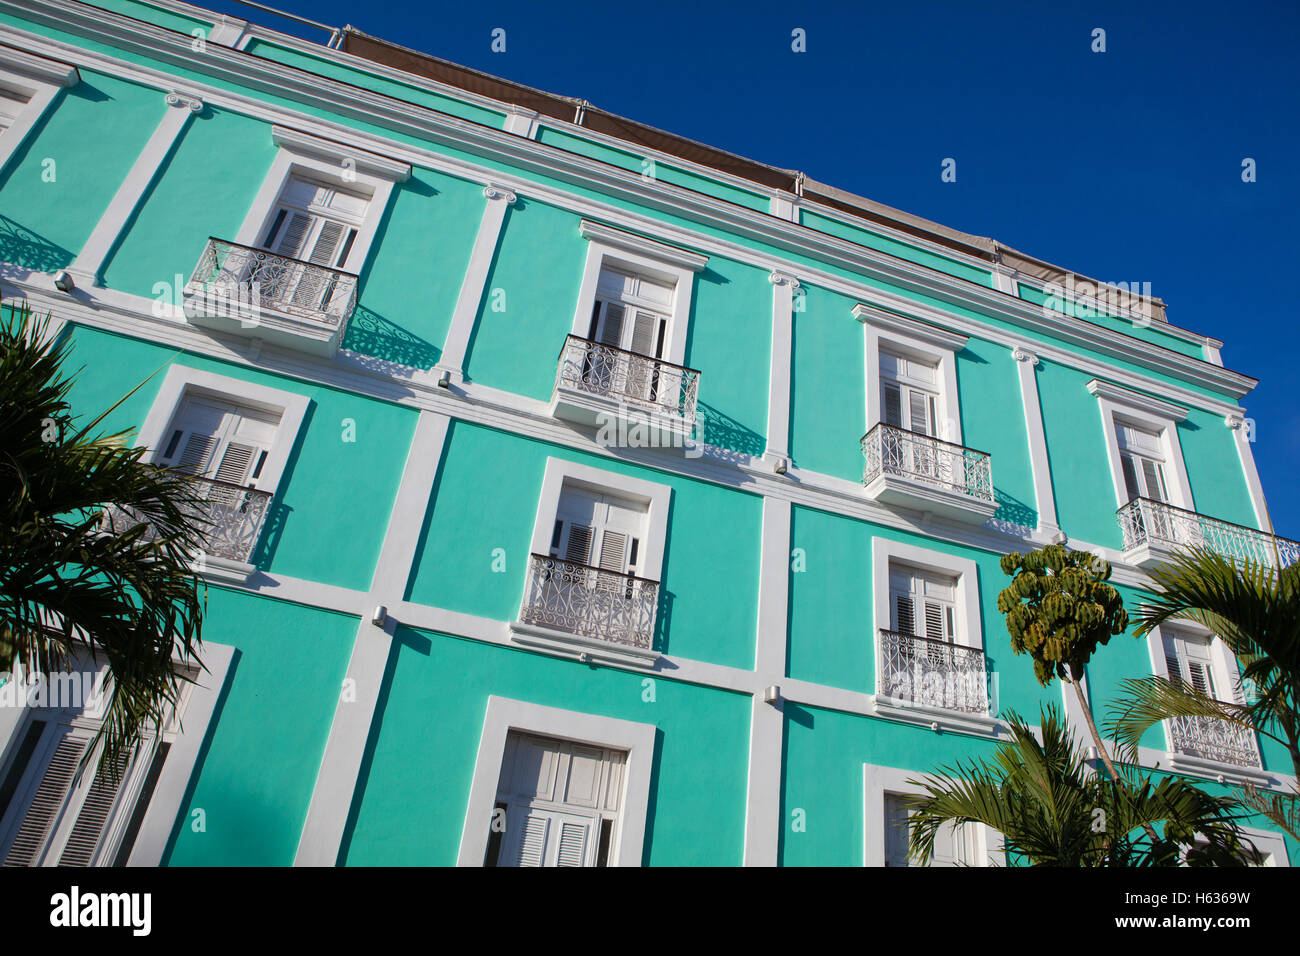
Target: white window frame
637,740
921,342
334,164
182,382
655,497
626,252
966,620
185,732
40,80
877,781
1227,674
1270,843
1122,406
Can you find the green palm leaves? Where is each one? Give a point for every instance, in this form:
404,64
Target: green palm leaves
66,587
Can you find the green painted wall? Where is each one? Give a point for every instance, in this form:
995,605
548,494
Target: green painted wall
828,403
275,717
529,300
417,263
205,190
436,684
1214,469
1076,451
709,527
87,142
873,240
993,421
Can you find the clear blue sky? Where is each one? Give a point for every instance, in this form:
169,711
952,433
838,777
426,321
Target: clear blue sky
1123,165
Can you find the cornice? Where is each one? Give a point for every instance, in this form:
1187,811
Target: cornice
629,242
888,321
529,156
39,68
367,162
1136,400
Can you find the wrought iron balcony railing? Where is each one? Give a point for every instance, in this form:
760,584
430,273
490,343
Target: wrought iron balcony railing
1216,740
229,517
890,450
242,278
580,599
1146,521
933,673
636,380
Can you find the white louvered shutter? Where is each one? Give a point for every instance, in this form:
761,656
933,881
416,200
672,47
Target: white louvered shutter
1131,485
94,814
610,329
920,419
220,440
577,546
52,792
893,404
1188,657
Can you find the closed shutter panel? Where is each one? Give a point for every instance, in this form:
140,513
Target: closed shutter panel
644,334
197,453
613,551
936,622
223,441
51,793
235,463
573,844
578,548
919,410
532,845
906,614
1130,477
1155,481
94,813
292,235
611,327
893,405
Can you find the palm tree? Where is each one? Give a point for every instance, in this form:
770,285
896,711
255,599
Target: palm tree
1255,610
1051,811
68,586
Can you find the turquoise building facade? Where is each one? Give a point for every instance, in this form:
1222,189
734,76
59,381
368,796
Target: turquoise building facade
579,497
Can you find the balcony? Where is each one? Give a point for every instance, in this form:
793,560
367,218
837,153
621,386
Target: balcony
650,402
230,519
922,672
937,477
257,294
1153,530
600,614
1216,741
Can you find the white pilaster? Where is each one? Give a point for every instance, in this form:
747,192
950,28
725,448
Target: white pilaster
331,799
86,268
1044,498
767,723
471,289
1242,437
778,394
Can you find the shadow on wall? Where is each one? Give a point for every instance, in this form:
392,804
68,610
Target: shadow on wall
1012,509
22,250
721,430
371,334
663,620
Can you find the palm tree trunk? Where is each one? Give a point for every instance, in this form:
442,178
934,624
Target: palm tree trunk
1101,747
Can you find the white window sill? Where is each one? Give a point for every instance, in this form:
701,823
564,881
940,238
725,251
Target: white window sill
936,718
222,570
303,333
899,491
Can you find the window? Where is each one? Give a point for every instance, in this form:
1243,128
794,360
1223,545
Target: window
636,293
631,312
1187,658
240,436
1142,460
220,440
557,803
929,654
915,366
953,845
1145,456
886,814
598,530
592,586
53,811
555,787
316,223
922,603
909,393
28,85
